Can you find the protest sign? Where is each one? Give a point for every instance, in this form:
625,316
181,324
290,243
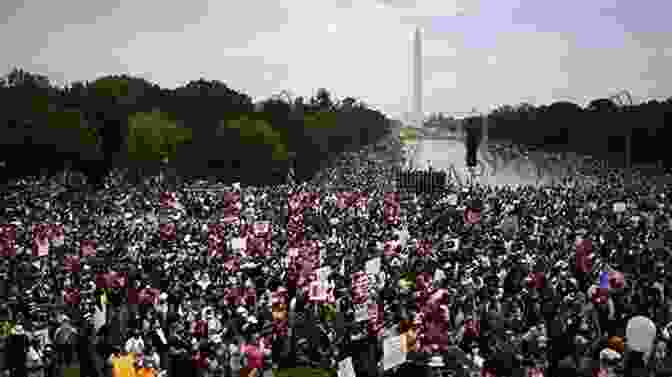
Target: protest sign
345,368
239,243
640,333
619,207
392,352
373,266
361,312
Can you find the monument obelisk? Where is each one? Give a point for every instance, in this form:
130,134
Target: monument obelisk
417,80
416,108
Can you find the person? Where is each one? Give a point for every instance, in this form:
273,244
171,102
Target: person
35,363
64,339
17,349
236,356
122,363
148,362
91,364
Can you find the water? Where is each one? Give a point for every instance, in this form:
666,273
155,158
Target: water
446,154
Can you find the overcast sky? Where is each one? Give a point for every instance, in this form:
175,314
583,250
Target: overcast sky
477,54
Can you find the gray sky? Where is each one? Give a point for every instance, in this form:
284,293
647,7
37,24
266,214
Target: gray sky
477,53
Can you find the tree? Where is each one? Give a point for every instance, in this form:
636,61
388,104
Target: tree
602,105
322,100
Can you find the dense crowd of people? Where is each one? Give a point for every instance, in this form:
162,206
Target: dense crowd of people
221,280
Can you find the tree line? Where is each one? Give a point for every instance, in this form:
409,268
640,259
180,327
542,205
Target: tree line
198,130
601,129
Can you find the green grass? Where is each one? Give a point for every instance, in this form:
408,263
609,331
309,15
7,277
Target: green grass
72,371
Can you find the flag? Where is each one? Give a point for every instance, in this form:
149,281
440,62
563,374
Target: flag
343,199
71,263
232,264
604,280
167,231
57,235
261,228
360,287
317,292
392,208
7,240
169,200
257,246
392,248
232,206
87,248
616,279
40,241
115,280
149,296
295,203
239,243
424,248
488,372
376,320
71,296
216,240
584,262
535,372
472,216
599,295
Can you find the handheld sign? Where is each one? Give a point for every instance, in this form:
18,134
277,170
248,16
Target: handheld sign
640,333
619,207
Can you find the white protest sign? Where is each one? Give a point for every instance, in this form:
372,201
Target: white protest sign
640,334
619,207
452,200
345,368
392,354
361,312
323,274
318,292
373,266
239,243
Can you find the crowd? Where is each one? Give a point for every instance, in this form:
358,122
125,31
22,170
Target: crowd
221,280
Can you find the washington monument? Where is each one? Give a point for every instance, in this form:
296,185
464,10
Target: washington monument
418,116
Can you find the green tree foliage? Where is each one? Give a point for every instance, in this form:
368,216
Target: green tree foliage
154,137
206,128
258,132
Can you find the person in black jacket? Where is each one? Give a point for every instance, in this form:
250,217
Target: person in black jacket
562,329
91,364
17,349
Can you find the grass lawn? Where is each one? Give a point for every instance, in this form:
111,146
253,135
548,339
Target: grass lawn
72,371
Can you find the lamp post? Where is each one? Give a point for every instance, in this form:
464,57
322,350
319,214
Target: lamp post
164,163
624,109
